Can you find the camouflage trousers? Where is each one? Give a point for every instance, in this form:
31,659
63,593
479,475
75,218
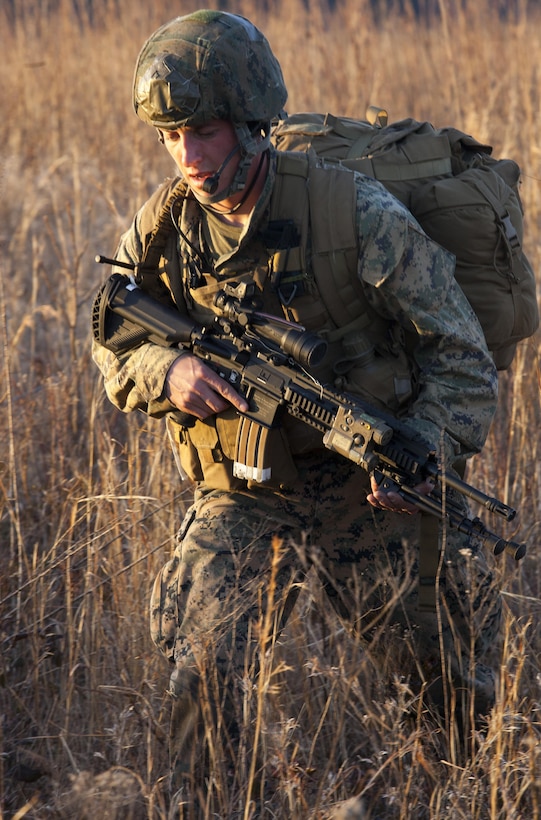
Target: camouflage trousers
240,561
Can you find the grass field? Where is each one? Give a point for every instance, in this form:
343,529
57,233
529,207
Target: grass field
90,499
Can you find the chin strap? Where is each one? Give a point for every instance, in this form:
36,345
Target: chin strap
247,191
251,142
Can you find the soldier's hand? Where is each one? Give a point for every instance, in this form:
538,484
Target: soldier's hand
391,500
197,390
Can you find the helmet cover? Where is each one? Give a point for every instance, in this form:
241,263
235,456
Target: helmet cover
204,66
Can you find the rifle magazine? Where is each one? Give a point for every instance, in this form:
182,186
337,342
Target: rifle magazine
250,453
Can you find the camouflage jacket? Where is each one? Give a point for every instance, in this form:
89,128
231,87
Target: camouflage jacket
408,282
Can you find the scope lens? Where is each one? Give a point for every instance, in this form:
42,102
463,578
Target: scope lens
305,347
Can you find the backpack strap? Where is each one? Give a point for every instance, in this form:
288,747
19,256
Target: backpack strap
286,237
505,226
335,246
360,140
324,204
424,156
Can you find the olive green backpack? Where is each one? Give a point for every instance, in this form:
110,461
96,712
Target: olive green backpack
464,199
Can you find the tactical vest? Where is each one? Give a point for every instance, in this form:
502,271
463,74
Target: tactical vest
306,268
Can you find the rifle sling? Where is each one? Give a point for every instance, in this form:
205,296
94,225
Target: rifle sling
429,560
429,554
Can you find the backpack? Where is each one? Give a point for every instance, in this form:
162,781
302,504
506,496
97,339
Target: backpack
464,199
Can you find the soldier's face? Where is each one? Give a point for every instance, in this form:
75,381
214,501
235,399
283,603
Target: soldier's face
200,152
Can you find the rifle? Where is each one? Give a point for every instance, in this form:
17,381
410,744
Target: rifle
267,359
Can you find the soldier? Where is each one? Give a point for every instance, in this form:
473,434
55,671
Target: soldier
211,86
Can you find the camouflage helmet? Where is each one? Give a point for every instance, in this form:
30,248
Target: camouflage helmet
204,66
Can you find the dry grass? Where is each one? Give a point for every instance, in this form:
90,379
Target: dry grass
90,500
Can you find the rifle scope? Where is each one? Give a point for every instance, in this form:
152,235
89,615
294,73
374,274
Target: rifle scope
305,347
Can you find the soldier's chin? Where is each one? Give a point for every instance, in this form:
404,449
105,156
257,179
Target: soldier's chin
209,199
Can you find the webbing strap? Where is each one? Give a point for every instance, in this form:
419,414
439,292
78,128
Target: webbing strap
333,210
418,170
509,233
385,171
288,263
292,164
360,141
335,245
328,199
429,553
429,560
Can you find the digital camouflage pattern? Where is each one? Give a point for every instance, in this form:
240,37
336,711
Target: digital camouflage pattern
207,601
208,594
207,65
215,588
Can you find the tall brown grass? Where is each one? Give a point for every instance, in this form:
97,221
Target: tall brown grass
90,500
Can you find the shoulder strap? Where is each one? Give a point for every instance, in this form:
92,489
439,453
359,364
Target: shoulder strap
332,197
325,199
505,226
289,206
